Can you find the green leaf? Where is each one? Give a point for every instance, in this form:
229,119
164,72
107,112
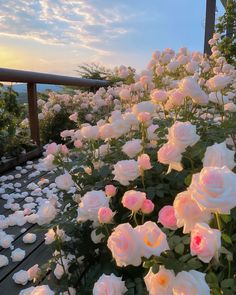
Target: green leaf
179,249
155,268
188,180
225,218
227,239
227,283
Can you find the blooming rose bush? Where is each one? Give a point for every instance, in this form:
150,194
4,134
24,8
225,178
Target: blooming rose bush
148,192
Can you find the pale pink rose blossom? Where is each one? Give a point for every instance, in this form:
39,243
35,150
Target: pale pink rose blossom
78,143
133,200
74,117
144,162
64,150
126,171
144,117
167,217
170,154
158,96
183,134
188,212
124,245
214,189
52,148
132,148
219,155
191,282
160,283
153,240
110,285
205,242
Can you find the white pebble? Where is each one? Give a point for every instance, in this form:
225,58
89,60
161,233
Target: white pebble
29,238
21,277
3,260
17,255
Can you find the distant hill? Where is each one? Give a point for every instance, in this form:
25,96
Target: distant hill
22,87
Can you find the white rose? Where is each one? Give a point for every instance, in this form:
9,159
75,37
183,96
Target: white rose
192,282
42,290
64,182
124,244
160,283
109,284
183,134
214,189
144,106
132,148
46,213
21,277
126,171
120,127
90,132
190,88
219,155
188,212
153,240
96,238
218,82
48,162
89,205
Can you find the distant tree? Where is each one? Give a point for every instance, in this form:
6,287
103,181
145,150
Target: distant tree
227,28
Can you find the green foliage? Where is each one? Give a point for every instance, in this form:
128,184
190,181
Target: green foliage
227,28
13,140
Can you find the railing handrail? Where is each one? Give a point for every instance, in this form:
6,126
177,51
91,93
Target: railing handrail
12,75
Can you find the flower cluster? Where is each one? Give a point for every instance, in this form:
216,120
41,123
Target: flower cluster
149,189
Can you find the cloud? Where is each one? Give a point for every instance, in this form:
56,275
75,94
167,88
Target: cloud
88,24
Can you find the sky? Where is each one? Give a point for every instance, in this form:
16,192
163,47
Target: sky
56,36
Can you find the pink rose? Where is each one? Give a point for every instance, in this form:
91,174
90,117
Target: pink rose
147,206
205,242
64,150
74,117
105,215
153,240
133,200
125,245
144,162
52,148
78,143
110,190
144,117
158,96
167,217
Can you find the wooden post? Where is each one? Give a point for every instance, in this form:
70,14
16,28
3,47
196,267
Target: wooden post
33,112
209,24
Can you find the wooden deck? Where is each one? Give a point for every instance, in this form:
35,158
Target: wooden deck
36,253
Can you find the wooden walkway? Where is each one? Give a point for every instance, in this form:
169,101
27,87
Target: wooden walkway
37,252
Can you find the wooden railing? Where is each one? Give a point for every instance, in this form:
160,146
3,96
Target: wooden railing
34,78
